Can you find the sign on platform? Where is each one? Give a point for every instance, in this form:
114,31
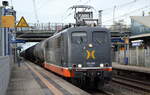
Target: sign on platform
117,40
136,44
22,23
126,39
18,41
8,21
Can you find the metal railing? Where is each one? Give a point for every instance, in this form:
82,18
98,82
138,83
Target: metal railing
42,27
140,57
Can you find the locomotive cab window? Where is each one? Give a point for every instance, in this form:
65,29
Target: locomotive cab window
99,37
79,37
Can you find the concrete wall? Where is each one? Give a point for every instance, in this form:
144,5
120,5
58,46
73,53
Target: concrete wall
4,73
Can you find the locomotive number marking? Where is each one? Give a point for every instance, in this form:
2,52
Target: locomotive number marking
90,54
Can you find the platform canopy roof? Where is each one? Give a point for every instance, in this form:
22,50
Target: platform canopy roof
140,36
145,20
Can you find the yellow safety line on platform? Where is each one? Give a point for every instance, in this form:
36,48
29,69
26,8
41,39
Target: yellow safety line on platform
52,88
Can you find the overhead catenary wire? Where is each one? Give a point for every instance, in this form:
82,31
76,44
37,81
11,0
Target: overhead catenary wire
35,11
131,12
121,5
118,7
43,4
11,2
71,13
114,7
87,2
127,4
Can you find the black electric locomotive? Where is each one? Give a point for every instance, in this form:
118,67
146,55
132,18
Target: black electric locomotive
82,54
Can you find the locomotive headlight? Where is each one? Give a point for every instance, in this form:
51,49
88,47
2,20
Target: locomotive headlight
90,45
101,65
79,65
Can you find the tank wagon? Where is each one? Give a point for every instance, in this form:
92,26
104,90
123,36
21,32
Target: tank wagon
82,54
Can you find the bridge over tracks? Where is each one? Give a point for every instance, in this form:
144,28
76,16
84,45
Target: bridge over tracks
38,32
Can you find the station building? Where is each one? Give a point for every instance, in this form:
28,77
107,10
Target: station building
140,29
137,52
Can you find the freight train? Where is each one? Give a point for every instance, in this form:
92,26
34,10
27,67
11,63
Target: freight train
82,54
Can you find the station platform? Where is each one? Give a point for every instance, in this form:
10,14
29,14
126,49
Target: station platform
30,79
131,68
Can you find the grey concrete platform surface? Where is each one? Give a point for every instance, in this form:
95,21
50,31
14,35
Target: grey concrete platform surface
4,73
131,68
63,85
22,82
31,79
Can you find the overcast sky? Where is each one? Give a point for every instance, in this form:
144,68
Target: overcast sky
57,10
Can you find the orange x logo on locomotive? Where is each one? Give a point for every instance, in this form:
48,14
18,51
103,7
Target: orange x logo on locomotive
90,54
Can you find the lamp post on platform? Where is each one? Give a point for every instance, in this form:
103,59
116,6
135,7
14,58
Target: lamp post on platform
126,40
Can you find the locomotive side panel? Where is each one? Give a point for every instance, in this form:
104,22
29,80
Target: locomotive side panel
56,55
53,51
39,53
29,54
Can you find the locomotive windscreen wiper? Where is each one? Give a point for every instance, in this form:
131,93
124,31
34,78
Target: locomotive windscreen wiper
81,40
98,41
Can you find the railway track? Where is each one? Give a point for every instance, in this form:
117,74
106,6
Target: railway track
100,92
108,93
144,86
